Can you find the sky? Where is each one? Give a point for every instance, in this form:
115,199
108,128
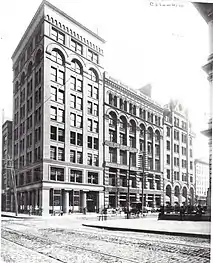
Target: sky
146,43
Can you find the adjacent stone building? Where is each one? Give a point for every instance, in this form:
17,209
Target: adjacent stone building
179,181
6,183
201,169
133,145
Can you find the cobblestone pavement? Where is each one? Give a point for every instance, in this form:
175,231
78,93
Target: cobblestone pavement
75,243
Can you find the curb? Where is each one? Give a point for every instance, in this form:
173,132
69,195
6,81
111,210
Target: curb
150,231
18,217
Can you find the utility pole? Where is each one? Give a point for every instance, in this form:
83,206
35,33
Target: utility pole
128,198
142,184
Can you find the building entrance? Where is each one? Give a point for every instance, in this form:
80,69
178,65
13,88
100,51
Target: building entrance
92,202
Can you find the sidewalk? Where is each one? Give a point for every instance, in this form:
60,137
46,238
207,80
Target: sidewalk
152,225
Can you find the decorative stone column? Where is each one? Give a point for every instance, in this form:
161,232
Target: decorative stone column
45,202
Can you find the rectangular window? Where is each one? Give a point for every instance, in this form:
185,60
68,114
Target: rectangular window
61,135
79,105
72,138
53,93
168,173
123,157
168,145
53,113
61,96
79,85
89,124
75,176
72,119
61,77
56,174
73,101
89,90
89,142
73,83
95,160
53,74
168,159
61,154
58,36
53,133
79,139
72,156
89,107
95,93
92,178
60,115
112,155
95,107
96,143
89,159
95,126
52,152
79,157
79,123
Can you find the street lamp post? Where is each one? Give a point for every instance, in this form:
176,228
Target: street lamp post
142,184
128,197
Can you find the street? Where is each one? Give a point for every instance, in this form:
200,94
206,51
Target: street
61,239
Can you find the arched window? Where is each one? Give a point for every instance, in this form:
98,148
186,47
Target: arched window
110,99
157,137
132,125
150,134
115,101
134,110
57,56
132,134
22,78
121,104
112,120
125,105
16,87
29,69
38,57
76,66
123,123
93,75
142,131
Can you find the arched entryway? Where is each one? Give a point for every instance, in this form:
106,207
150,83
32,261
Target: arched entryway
184,196
191,196
168,195
177,195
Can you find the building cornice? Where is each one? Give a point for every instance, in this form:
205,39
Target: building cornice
41,9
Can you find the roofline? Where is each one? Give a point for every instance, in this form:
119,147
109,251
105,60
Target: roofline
73,20
43,3
197,160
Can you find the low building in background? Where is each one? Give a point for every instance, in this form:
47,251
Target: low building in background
6,185
201,181
179,181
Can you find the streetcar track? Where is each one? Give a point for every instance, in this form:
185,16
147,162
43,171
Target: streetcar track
39,252
169,246
27,236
